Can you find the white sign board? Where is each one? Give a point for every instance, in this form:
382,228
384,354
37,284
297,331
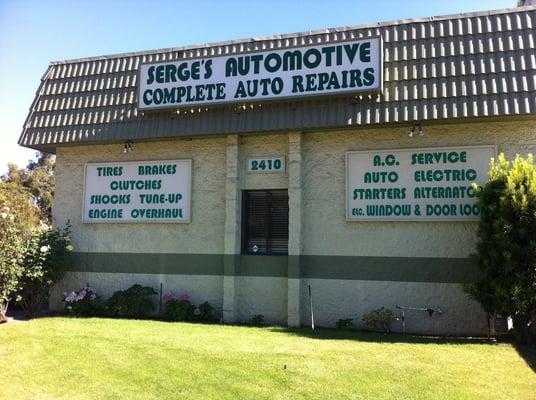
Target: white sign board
332,68
425,184
141,191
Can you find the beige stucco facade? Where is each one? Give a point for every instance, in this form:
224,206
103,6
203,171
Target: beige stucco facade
352,260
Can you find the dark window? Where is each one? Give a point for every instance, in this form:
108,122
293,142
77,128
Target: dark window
265,222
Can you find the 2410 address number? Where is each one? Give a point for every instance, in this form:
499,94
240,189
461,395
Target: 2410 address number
268,164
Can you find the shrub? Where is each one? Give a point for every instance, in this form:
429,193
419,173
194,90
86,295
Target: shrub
11,250
379,320
257,320
180,310
44,264
205,312
506,248
135,302
83,303
345,324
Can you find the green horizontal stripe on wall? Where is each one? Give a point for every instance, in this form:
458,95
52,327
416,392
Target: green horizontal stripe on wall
149,263
402,269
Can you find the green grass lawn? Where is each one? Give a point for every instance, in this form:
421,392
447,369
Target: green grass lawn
62,358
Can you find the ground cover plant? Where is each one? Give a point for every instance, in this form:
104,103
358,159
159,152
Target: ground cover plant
90,358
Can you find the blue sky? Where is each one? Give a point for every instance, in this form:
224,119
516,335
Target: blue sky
35,32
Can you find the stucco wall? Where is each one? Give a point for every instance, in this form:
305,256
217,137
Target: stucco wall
335,298
327,233
262,146
345,287
262,295
204,235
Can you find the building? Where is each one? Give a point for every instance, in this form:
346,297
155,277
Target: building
243,172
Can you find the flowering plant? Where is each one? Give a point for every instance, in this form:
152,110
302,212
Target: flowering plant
178,308
83,303
74,297
167,297
45,260
11,269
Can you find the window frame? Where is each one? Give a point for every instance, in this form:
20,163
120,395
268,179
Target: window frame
268,230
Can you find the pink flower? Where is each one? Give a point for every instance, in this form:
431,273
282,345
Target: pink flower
81,295
167,297
71,297
184,296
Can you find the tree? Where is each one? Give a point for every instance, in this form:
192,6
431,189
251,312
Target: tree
41,183
37,181
11,250
32,256
506,248
17,199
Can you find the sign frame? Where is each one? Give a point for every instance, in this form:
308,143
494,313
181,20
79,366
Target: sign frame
346,94
424,219
190,178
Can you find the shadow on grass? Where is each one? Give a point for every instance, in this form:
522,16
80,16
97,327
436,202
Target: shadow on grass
19,315
374,337
528,353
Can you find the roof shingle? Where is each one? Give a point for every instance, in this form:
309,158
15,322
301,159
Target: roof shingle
453,67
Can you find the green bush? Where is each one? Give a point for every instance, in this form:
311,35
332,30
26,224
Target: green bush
44,263
506,248
345,324
379,320
205,312
83,303
135,302
88,308
180,310
11,250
